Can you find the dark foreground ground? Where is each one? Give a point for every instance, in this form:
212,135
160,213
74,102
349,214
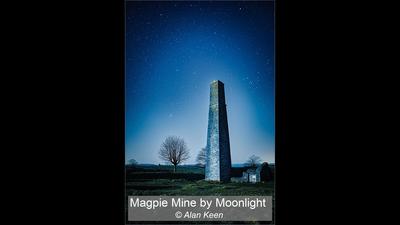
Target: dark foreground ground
193,188
189,181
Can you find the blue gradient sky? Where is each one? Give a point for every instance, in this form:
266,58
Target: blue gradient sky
174,50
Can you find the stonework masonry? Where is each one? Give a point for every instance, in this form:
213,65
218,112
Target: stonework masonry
218,152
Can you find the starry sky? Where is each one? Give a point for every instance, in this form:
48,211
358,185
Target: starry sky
174,50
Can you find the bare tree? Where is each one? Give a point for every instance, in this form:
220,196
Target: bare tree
253,161
201,157
174,150
132,162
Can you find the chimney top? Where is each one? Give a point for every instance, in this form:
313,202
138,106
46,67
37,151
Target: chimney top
217,81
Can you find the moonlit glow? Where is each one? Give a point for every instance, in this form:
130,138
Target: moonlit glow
174,50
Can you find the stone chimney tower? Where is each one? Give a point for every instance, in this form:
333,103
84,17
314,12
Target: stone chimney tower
218,151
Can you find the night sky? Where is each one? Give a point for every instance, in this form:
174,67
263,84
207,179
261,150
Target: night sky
173,52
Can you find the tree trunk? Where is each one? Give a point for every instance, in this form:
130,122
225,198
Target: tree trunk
174,168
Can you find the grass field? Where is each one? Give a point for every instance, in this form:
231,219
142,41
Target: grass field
189,181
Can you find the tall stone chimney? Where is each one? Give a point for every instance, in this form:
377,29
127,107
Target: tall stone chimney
218,153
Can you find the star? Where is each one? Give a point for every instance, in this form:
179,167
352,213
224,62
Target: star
172,53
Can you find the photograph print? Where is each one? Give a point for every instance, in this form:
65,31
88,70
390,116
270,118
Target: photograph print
199,98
